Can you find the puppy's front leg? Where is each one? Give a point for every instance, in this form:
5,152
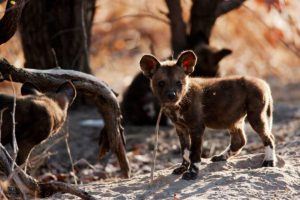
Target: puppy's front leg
185,144
195,155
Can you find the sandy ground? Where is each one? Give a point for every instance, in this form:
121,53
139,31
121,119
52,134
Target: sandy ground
239,178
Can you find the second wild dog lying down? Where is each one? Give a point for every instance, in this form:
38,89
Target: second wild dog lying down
219,103
38,115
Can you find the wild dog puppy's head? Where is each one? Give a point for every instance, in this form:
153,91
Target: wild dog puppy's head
169,79
208,59
56,102
63,96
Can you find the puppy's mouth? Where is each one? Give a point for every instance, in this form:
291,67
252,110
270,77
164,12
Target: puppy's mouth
170,102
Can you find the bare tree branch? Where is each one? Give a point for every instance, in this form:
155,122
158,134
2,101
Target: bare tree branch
139,15
9,22
227,5
104,98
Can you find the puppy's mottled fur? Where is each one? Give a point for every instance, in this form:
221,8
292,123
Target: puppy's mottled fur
219,103
140,107
37,115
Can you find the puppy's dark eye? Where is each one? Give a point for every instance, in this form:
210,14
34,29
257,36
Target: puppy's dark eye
178,83
161,83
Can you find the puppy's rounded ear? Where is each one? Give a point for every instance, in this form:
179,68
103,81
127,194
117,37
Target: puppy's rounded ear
187,60
66,94
149,64
29,89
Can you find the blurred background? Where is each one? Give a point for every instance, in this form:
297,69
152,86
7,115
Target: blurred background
263,35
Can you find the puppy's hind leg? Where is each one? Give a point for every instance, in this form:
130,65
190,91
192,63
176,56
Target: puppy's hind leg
238,141
261,123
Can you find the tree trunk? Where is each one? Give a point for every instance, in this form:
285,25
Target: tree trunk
204,14
57,33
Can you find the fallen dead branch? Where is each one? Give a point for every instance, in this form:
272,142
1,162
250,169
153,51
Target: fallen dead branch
30,187
112,136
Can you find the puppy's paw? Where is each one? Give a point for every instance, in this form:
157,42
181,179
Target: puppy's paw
179,170
268,163
190,175
218,158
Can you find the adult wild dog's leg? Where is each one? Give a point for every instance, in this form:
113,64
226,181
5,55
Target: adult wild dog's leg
238,141
261,122
195,154
185,144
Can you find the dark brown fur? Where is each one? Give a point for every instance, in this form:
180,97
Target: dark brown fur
37,116
219,103
140,107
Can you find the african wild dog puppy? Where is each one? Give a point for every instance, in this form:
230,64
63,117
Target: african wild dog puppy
37,116
219,103
140,107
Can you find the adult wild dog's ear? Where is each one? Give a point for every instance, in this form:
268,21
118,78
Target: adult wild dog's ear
29,89
219,55
149,64
187,60
66,93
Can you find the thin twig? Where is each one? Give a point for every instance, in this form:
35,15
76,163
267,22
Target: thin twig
2,195
55,57
140,15
34,160
39,150
69,153
1,121
82,160
155,145
11,173
13,114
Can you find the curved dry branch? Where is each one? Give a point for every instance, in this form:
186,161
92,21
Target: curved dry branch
204,14
112,137
29,187
227,5
9,22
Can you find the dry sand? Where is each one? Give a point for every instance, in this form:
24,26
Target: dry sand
239,178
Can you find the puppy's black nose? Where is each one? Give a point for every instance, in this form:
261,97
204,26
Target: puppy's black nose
171,95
